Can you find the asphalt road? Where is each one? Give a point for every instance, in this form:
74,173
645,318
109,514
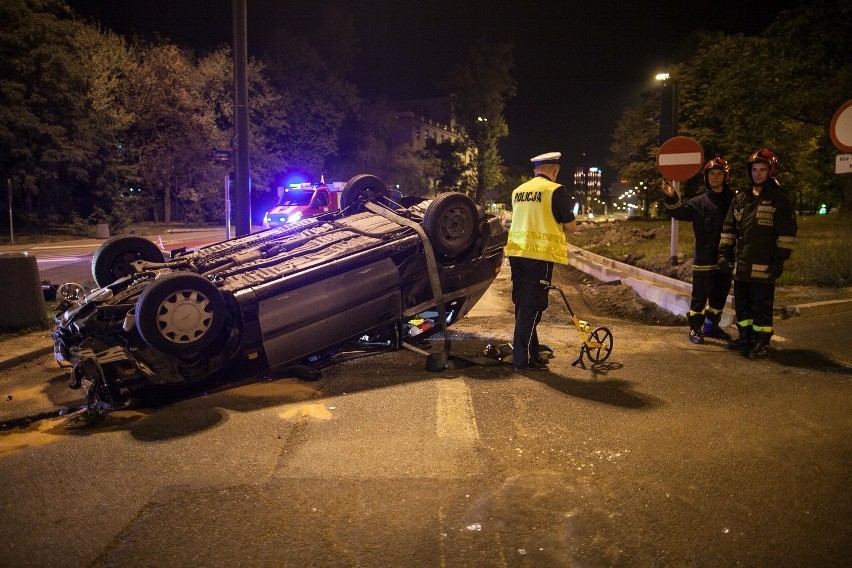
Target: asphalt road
670,454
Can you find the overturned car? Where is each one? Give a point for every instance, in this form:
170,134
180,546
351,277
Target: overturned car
375,272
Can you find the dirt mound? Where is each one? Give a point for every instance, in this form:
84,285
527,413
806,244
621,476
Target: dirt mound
614,300
620,234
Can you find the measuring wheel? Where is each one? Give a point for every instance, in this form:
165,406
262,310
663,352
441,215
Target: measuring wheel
603,337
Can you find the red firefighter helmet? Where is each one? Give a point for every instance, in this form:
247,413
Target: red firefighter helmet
717,163
767,157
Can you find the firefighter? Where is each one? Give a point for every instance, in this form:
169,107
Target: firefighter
541,219
758,236
706,212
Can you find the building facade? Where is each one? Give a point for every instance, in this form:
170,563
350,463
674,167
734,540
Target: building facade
419,120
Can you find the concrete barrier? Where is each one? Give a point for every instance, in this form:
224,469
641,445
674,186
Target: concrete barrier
669,293
21,297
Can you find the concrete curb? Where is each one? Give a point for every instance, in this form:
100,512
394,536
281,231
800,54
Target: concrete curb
674,295
669,293
11,360
819,308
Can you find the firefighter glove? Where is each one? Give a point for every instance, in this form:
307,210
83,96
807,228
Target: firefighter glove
776,269
724,265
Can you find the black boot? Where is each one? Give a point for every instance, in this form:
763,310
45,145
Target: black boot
712,328
696,331
743,342
761,345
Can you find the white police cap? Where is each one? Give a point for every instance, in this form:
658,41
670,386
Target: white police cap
548,158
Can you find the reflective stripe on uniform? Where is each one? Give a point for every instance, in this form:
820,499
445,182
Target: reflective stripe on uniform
786,242
674,205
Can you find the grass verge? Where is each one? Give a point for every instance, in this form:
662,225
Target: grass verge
823,254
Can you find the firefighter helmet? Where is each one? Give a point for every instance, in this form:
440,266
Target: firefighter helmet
717,163
767,157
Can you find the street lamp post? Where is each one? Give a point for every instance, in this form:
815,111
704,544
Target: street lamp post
668,130
481,134
241,187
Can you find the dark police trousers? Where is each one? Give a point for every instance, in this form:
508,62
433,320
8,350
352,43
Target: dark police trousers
530,279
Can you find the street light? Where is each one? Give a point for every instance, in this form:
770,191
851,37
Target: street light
668,129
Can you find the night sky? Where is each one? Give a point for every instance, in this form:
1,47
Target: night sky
578,65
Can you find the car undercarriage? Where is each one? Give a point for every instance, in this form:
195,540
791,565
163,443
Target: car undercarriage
372,275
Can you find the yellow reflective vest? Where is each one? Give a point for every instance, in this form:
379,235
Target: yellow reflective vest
535,233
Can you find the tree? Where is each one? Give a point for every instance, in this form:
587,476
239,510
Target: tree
451,164
108,60
267,119
167,138
812,43
739,94
365,143
310,74
635,142
56,144
482,85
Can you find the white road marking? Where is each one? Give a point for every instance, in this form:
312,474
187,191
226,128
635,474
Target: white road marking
454,416
681,159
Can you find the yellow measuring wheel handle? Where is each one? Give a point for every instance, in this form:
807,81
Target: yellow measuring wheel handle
581,325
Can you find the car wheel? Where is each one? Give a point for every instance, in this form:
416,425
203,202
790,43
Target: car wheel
364,187
180,313
450,223
113,258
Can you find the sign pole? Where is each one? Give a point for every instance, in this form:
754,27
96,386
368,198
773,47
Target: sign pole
673,243
678,159
228,207
11,229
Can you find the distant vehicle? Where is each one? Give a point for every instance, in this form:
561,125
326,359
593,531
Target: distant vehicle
303,200
370,275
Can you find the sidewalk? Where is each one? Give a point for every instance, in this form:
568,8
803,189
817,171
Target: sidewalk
153,234
23,348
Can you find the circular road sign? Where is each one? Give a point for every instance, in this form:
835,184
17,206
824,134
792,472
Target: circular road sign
680,158
841,127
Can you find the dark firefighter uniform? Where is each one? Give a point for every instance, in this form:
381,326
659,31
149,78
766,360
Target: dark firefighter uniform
758,235
536,241
710,285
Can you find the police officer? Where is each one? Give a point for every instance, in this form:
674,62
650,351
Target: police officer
757,237
541,219
706,212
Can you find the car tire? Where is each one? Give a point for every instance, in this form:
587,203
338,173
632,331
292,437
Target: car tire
113,258
180,314
364,187
451,223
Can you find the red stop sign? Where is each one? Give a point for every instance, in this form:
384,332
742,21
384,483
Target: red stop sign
680,158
